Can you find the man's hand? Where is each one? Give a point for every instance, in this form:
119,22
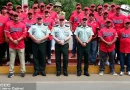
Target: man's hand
83,44
62,42
6,40
38,41
15,42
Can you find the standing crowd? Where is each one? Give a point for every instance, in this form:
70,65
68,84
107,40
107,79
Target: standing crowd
96,29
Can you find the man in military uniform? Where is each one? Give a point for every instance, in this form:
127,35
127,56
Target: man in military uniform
83,35
58,9
39,34
61,34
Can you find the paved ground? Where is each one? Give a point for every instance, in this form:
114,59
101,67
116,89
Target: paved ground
72,82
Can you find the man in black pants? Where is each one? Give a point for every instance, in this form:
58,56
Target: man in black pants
39,34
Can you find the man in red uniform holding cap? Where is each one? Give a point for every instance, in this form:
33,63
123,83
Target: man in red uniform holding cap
16,33
124,36
48,21
75,20
108,37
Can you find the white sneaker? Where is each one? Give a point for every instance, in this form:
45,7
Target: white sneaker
113,73
7,64
49,61
107,63
128,73
118,62
121,73
27,63
101,73
99,63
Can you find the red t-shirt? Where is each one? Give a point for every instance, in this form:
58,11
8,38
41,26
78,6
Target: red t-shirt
50,23
98,17
118,21
54,15
41,13
124,36
75,19
111,13
108,35
22,16
94,26
75,11
16,30
2,25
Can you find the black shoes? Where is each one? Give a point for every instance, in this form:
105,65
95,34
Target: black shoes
65,73
43,73
78,74
58,74
22,74
86,74
35,73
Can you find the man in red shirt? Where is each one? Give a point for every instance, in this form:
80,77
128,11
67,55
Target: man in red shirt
2,37
48,21
16,33
105,6
98,15
108,37
42,8
112,10
93,44
118,20
75,20
28,42
124,37
35,11
9,6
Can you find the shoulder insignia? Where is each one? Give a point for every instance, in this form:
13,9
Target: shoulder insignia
34,24
56,25
79,26
67,26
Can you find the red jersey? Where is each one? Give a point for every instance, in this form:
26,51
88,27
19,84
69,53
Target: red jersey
50,23
75,11
75,20
16,30
98,17
41,12
124,36
2,25
94,26
108,35
118,21
53,15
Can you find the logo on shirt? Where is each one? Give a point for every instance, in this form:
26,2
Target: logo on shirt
13,29
1,24
28,25
57,34
107,34
117,21
125,35
75,19
47,24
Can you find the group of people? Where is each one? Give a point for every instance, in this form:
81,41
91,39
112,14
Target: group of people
30,31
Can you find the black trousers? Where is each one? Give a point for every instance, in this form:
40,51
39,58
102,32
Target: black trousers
48,48
59,50
39,56
2,51
28,49
82,51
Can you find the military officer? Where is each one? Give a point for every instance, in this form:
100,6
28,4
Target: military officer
83,35
39,34
61,34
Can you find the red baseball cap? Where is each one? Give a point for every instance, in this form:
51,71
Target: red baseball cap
42,4
48,6
92,5
62,17
78,4
117,7
4,7
105,12
108,20
99,7
78,7
11,12
51,4
15,14
86,8
105,5
30,12
46,11
9,3
39,17
91,14
18,7
126,21
35,6
113,5
84,18
25,5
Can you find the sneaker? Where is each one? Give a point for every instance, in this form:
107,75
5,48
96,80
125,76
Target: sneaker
22,74
99,63
113,73
101,73
49,61
118,62
10,75
128,73
121,73
27,63
107,63
7,64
